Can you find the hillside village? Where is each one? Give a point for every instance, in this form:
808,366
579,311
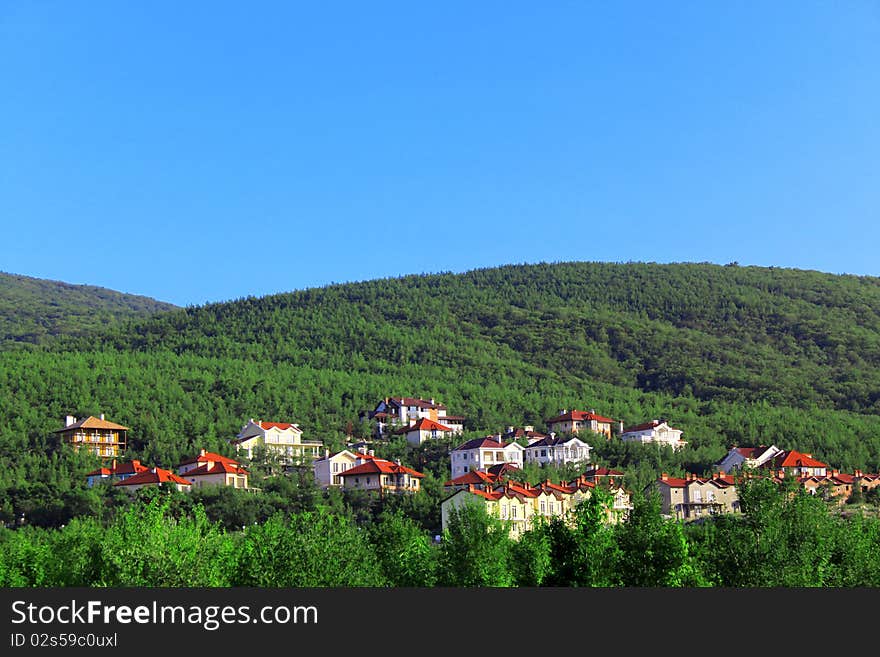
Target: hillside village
482,470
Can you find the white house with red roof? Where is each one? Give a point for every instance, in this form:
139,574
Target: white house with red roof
116,472
378,474
484,453
738,458
654,432
577,421
154,477
792,463
284,439
557,450
405,411
424,429
209,468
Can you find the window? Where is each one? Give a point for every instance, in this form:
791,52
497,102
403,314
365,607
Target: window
543,507
513,511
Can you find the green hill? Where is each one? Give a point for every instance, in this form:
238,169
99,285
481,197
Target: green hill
33,310
743,355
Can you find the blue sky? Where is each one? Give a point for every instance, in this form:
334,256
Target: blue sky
206,151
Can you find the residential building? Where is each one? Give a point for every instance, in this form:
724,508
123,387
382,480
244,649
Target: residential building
423,429
209,468
691,497
328,468
557,450
527,432
738,458
795,464
473,479
598,474
283,439
404,411
577,421
381,475
154,477
654,432
116,472
97,435
482,453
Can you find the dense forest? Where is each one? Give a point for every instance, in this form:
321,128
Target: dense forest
729,354
33,310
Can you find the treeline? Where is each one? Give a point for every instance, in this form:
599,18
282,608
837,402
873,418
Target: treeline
785,538
34,310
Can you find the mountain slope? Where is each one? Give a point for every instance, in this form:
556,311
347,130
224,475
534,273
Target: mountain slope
33,310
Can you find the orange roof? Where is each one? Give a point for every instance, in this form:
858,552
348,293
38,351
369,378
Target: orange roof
215,468
424,424
204,457
579,416
603,472
153,476
472,477
92,423
276,425
129,467
380,466
794,459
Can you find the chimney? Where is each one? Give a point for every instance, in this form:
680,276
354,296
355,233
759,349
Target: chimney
362,449
326,453
153,470
432,401
69,420
371,452
113,467
202,452
397,461
102,416
857,473
664,477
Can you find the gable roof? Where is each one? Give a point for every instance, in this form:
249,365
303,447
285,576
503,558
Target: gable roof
488,442
380,466
92,423
415,401
647,425
552,441
602,471
153,476
283,426
215,468
579,416
204,457
423,424
128,467
476,477
795,459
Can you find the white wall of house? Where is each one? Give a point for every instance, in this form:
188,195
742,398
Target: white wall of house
328,469
482,458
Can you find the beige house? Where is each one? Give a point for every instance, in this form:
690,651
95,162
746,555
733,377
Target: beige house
328,468
405,411
577,421
557,450
377,474
284,439
154,477
97,435
209,468
691,497
422,430
483,453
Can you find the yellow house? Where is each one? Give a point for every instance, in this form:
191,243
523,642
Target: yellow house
97,435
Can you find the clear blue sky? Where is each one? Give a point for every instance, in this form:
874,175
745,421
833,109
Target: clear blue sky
205,151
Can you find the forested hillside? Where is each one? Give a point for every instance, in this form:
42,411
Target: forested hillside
729,354
33,310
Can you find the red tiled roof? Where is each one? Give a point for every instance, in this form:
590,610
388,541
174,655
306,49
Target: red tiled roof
92,423
128,467
215,468
423,424
580,416
472,477
380,466
153,476
209,456
284,426
603,472
501,469
794,459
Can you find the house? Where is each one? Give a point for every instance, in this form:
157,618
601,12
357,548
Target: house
116,472
597,474
792,463
97,435
482,453
738,458
154,477
577,421
527,432
381,475
328,468
656,431
691,497
557,450
209,468
284,439
404,411
473,478
423,429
